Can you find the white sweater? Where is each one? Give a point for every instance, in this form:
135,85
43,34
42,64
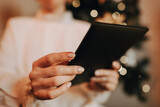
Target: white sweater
27,39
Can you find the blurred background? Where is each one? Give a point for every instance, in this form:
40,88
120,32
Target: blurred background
141,62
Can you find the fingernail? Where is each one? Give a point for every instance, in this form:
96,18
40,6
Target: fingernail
71,55
81,69
69,84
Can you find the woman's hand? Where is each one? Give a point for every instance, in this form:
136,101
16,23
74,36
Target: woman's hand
49,72
106,79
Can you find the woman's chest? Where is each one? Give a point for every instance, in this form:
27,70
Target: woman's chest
41,41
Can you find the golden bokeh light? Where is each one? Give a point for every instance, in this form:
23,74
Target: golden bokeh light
76,3
121,6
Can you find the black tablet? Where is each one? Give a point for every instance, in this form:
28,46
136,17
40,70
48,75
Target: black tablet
102,44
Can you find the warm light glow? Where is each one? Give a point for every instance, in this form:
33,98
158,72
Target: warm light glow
94,13
115,15
121,6
76,3
101,1
146,88
124,59
123,71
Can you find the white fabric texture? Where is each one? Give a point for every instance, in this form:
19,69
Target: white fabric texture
25,40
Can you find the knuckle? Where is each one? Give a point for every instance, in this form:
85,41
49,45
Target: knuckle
55,69
54,82
31,76
47,84
45,72
36,94
33,84
36,84
34,64
48,58
42,83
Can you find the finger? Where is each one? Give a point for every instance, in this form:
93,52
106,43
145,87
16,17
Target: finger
106,73
51,93
109,86
54,58
116,65
104,80
50,82
68,70
57,71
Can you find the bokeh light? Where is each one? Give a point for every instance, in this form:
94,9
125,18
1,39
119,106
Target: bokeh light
121,6
123,71
94,13
124,59
146,88
76,3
